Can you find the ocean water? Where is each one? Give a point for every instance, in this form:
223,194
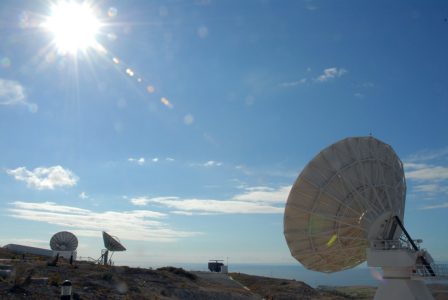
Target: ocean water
357,276
361,275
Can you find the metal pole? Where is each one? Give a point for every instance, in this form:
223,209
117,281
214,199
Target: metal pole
427,265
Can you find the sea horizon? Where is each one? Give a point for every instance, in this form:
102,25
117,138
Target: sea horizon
360,275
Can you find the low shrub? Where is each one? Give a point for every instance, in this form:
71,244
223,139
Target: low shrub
55,279
107,275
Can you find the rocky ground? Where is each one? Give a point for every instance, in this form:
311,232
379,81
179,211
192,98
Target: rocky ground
93,281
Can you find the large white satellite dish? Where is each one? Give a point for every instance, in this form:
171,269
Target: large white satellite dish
64,241
346,207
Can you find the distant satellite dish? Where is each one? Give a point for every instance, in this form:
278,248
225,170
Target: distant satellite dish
64,241
111,243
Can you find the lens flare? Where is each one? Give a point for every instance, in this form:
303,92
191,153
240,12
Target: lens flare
112,12
32,108
377,275
6,62
331,241
111,36
150,89
188,119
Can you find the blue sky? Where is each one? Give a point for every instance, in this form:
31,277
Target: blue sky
193,156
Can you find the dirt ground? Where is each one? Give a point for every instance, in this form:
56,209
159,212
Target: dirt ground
92,281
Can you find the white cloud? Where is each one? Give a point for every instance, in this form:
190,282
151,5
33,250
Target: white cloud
186,213
289,83
83,196
142,201
139,161
424,172
358,95
444,205
216,206
131,225
427,155
342,72
321,78
11,92
24,242
265,195
330,73
238,167
169,159
50,206
286,84
309,69
43,178
368,84
427,188
155,159
255,200
207,164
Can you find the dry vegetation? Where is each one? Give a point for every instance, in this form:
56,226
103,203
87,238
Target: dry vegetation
91,281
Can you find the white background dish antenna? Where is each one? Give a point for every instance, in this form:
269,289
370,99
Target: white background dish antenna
64,241
354,179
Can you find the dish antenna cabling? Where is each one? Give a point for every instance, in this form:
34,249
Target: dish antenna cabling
346,207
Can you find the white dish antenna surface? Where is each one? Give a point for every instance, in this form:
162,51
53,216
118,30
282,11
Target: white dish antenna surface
356,179
111,243
64,241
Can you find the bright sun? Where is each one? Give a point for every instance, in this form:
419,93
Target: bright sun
74,26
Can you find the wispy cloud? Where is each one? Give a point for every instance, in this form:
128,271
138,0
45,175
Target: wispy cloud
187,213
131,225
207,164
330,73
444,205
286,84
424,172
142,201
25,242
427,155
265,194
83,196
217,206
45,178
255,200
11,92
155,159
358,95
169,159
139,161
